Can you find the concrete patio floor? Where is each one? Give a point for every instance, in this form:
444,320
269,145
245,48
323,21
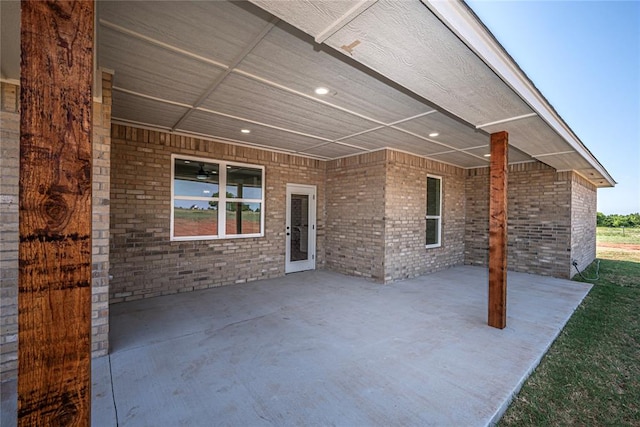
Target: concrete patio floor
319,348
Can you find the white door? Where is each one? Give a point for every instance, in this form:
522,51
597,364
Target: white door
300,228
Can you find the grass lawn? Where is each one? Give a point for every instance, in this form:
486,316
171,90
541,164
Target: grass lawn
618,235
591,374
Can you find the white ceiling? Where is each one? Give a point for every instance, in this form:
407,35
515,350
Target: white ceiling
395,72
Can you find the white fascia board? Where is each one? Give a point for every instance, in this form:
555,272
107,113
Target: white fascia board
456,15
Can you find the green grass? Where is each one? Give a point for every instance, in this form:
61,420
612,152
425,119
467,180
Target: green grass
591,374
618,235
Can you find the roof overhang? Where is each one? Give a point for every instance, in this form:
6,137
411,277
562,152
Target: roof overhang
470,29
539,132
399,71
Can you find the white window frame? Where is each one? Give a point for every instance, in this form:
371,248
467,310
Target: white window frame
222,199
437,217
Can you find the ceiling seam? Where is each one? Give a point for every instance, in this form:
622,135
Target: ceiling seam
163,45
151,97
554,154
344,20
510,119
339,140
436,142
295,132
304,95
219,79
159,128
218,113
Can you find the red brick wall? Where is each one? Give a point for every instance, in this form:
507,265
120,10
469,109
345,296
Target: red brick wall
355,215
539,219
583,222
405,210
145,263
9,163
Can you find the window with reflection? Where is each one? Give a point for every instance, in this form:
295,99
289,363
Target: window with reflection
434,207
202,211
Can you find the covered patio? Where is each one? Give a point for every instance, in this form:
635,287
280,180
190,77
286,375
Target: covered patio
321,348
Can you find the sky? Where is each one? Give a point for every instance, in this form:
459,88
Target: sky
584,56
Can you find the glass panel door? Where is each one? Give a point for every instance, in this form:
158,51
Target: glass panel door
300,228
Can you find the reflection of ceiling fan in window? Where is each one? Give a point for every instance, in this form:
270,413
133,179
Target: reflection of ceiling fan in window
205,174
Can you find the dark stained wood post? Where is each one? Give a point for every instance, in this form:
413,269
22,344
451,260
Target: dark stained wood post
498,230
54,297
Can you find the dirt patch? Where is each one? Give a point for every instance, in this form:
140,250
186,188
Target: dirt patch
627,246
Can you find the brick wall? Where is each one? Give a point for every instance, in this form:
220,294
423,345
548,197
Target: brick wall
145,263
583,222
539,219
100,226
9,164
405,210
355,215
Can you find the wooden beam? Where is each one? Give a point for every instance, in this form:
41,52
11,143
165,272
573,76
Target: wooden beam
54,296
498,230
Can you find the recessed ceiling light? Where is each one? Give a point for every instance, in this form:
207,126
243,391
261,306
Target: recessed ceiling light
487,155
245,130
187,162
321,91
433,134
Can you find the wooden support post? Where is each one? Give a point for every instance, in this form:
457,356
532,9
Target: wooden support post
54,251
498,230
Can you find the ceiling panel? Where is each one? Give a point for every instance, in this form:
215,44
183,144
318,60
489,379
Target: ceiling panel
392,138
531,135
219,126
332,151
10,39
445,71
565,161
243,97
289,57
595,176
312,15
143,110
217,30
460,158
154,71
515,155
450,131
166,50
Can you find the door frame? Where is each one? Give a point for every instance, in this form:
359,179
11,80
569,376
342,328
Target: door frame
309,264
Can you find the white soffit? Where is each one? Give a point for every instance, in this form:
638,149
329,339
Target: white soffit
407,43
265,84
443,53
147,111
332,151
152,70
324,14
450,131
532,135
228,128
463,22
283,109
290,58
226,26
